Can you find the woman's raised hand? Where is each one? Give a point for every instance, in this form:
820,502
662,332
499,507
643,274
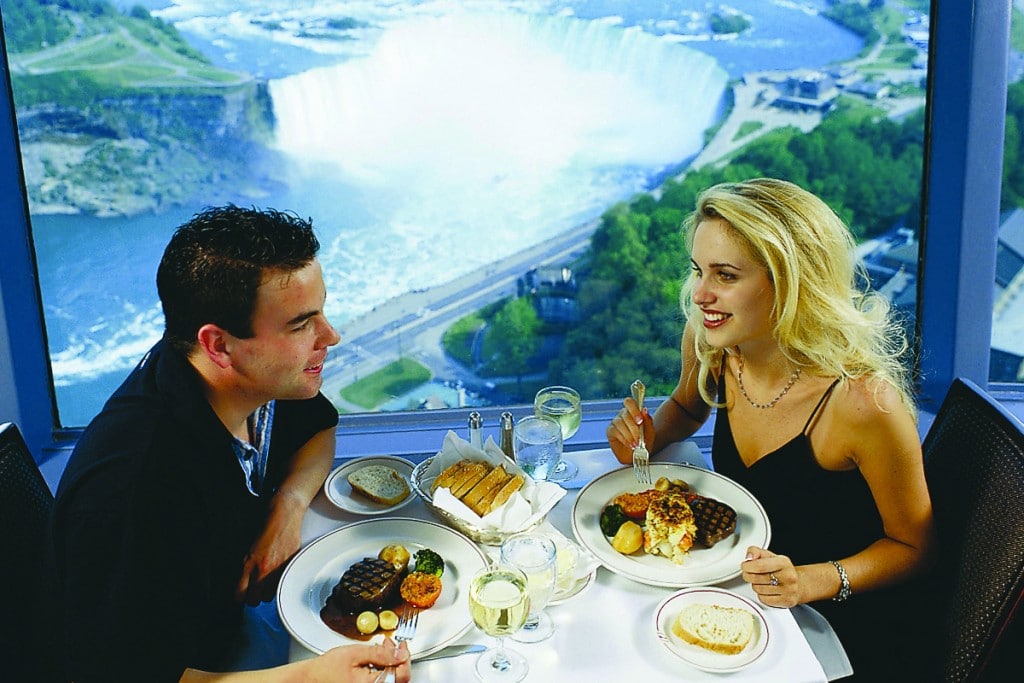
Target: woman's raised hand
624,430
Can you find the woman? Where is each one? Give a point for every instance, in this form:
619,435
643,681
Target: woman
814,413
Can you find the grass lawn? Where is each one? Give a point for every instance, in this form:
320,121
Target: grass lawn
748,127
390,381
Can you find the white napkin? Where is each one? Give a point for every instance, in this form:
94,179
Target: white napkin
531,503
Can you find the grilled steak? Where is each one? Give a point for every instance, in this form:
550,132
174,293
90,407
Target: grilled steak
715,520
369,584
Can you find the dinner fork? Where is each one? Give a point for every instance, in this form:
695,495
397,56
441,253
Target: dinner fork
405,630
641,457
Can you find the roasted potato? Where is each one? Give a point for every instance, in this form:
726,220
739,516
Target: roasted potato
396,555
628,538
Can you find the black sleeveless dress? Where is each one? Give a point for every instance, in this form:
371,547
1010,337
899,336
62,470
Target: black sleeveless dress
819,515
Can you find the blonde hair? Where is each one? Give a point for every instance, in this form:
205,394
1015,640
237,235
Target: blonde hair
822,320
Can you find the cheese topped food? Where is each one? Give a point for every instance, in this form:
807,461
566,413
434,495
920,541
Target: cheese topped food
669,529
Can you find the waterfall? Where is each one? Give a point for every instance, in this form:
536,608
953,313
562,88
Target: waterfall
463,138
463,98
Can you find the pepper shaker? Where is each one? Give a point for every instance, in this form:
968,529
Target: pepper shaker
506,425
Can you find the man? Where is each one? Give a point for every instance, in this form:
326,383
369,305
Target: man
184,497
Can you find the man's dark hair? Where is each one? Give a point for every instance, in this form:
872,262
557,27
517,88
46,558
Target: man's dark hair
215,262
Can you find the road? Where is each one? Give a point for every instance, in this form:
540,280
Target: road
413,324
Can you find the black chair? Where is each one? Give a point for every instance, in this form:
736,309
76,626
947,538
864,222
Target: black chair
974,464
25,506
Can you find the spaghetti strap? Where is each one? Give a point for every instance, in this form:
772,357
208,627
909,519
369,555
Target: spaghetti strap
821,402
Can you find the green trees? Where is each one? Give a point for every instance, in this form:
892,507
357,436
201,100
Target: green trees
1013,148
867,168
727,22
513,338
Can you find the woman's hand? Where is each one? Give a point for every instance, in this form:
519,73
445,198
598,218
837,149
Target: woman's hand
624,430
773,577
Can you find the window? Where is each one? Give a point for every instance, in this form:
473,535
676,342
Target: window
952,172
1008,311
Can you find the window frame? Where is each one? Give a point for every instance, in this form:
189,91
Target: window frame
967,96
963,174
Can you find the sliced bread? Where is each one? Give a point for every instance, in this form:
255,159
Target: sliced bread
475,498
726,630
505,492
468,478
449,475
380,483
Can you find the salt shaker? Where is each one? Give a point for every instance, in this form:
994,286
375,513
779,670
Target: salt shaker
476,428
506,424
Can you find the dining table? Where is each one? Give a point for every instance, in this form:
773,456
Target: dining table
607,632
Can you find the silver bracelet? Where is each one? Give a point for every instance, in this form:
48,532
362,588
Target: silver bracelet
844,583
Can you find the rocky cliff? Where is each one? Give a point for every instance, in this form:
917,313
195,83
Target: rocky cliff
148,151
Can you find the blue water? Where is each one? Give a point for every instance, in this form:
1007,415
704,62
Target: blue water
427,127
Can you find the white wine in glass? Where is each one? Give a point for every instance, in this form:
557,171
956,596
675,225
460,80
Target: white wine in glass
499,604
561,404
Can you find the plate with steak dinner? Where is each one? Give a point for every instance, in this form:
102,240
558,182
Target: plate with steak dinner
691,527
350,585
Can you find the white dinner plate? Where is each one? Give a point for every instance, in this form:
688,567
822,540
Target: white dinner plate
702,566
339,491
668,610
311,575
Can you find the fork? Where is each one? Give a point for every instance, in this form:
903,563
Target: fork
405,630
641,457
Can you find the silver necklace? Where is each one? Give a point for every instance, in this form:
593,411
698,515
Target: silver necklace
770,404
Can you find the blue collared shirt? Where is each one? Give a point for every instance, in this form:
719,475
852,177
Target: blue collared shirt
252,455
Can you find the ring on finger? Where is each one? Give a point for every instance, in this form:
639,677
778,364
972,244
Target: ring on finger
772,579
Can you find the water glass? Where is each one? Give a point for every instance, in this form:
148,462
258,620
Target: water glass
534,554
537,442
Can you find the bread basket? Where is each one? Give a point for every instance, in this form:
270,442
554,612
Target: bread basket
421,484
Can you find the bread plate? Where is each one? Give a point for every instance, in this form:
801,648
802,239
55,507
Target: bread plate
703,566
340,493
308,579
707,660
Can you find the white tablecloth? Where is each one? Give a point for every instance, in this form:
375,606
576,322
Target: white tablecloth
605,633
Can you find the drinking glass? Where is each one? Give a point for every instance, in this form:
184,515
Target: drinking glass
537,443
561,404
535,555
499,603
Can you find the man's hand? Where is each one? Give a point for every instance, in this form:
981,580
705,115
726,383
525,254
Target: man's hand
270,553
282,535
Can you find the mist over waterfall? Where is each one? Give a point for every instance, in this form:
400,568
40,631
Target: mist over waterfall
463,98
509,126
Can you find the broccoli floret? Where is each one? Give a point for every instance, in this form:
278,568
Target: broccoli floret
612,517
429,562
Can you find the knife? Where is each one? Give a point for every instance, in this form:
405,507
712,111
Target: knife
453,651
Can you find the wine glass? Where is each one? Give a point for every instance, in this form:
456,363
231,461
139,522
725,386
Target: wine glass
537,444
535,555
561,404
499,603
